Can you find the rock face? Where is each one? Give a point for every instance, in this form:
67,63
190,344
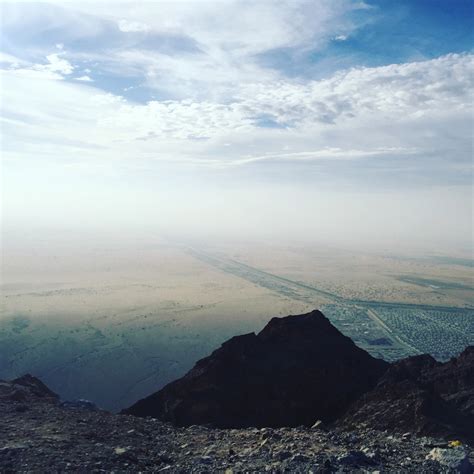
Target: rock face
454,380
422,396
26,389
297,370
300,369
46,436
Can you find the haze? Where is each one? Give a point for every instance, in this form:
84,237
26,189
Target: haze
175,173
233,119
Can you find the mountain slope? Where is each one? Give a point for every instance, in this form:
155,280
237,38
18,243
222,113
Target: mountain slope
297,370
300,369
294,370
420,395
38,433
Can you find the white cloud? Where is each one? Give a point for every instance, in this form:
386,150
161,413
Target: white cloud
84,79
398,90
57,64
55,68
224,101
231,25
224,113
133,26
329,153
228,37
376,102
11,61
420,108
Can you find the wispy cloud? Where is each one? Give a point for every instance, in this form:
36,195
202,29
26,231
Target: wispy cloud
133,26
199,49
237,91
56,64
84,79
356,113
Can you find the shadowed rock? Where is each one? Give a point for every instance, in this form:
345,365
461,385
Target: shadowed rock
26,388
422,396
297,370
454,380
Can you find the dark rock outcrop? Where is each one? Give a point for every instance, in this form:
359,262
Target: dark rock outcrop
297,370
454,380
26,388
50,437
300,369
422,396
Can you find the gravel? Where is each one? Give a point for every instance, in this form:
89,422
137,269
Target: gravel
46,436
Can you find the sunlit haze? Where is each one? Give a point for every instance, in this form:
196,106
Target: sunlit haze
342,122
176,173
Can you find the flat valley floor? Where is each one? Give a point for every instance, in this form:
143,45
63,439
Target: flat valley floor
113,323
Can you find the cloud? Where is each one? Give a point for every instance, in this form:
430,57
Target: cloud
196,49
133,26
56,64
217,106
329,153
230,25
56,67
10,60
384,114
398,90
84,79
188,89
415,93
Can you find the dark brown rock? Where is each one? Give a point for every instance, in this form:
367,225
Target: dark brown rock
454,380
26,388
297,370
376,433
422,396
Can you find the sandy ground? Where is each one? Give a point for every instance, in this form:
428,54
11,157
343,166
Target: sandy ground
113,322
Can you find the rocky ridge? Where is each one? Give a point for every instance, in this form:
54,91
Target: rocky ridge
411,416
421,395
295,371
300,369
38,433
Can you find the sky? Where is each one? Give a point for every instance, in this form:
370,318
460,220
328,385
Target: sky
335,120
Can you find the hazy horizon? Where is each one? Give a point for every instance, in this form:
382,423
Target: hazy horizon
342,122
175,173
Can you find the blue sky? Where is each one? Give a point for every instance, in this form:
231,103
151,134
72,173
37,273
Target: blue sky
376,34
371,33
132,100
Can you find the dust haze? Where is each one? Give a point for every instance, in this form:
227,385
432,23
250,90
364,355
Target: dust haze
112,316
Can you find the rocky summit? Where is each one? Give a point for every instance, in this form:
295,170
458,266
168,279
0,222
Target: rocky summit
297,397
300,369
297,370
39,433
421,395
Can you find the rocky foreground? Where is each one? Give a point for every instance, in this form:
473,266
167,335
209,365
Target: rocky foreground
296,397
38,433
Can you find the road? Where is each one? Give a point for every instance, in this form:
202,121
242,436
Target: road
314,296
